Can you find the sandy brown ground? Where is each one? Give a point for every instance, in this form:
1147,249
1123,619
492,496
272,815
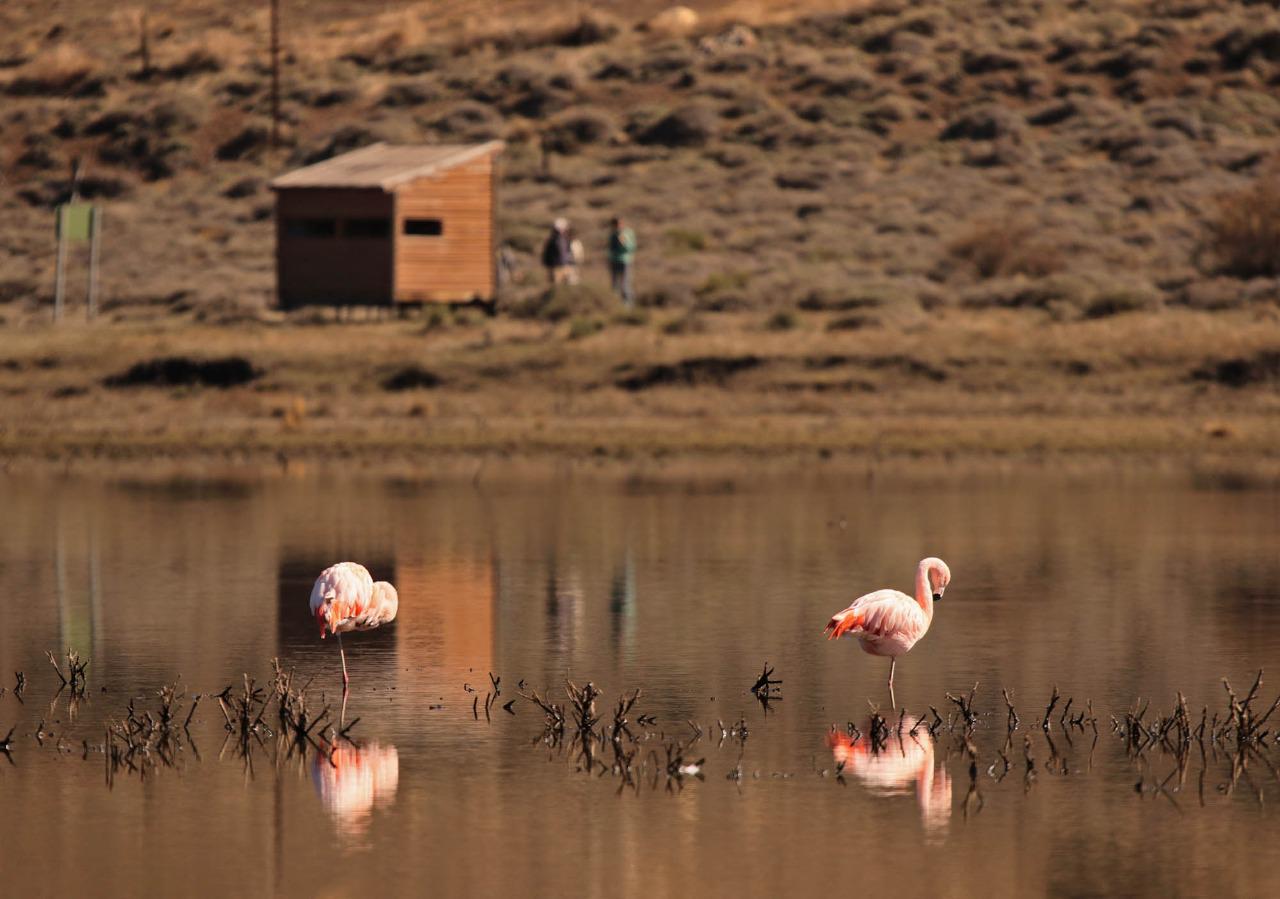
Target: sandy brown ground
1177,386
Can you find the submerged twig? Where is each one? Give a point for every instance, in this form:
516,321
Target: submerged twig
766,689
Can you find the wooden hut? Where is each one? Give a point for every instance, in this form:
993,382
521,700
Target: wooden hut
387,224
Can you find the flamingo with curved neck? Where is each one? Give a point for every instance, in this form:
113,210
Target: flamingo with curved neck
888,622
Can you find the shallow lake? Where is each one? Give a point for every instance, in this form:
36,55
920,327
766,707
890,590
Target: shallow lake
1116,591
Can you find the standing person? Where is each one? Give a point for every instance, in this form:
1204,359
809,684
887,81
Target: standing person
622,252
557,254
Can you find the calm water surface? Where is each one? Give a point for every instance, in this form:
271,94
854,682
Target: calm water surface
1111,590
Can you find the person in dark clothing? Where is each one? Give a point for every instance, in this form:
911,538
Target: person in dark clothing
622,252
557,254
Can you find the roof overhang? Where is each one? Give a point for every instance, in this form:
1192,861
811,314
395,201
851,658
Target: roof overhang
382,166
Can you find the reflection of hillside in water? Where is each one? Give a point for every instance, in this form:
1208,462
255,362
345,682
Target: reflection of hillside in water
353,781
903,765
446,619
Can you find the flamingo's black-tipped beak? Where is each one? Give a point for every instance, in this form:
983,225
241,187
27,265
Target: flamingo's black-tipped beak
937,597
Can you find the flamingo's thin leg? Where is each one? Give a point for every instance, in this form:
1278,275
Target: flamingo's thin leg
893,662
341,652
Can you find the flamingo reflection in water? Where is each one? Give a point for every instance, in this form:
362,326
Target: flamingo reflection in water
353,781
901,763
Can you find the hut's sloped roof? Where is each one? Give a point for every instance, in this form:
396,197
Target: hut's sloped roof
384,166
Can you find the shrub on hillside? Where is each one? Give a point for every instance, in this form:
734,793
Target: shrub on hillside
782,320
198,61
592,28
685,240
1120,298
140,143
1064,295
1244,231
400,96
468,120
345,139
581,127
183,371
688,323
564,301
987,122
1000,248
248,143
689,126
243,187
62,70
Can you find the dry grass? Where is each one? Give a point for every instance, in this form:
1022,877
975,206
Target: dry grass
1142,384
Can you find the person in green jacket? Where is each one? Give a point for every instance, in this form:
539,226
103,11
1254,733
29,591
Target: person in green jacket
622,252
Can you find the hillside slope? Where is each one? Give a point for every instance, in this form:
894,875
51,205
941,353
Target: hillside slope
891,157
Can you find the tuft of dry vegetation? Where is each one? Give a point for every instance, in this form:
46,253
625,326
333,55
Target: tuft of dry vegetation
1000,248
1244,233
61,70
563,301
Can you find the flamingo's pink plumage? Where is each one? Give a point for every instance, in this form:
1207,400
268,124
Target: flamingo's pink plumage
346,598
889,622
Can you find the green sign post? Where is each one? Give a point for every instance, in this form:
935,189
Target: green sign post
77,223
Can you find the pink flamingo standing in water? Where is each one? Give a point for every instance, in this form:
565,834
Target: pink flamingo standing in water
888,622
346,598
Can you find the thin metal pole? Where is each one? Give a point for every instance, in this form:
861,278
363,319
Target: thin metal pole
59,278
60,579
275,74
95,239
144,46
95,592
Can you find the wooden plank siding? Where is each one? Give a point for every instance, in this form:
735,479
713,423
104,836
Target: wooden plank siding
342,270
458,264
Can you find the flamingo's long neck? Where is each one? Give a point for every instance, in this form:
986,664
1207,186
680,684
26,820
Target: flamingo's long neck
924,590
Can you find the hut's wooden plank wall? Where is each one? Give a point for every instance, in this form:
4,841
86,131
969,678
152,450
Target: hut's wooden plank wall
458,263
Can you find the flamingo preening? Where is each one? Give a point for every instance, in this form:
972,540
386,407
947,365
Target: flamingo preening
888,622
346,598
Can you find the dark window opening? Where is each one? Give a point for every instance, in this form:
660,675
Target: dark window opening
424,227
310,227
367,228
